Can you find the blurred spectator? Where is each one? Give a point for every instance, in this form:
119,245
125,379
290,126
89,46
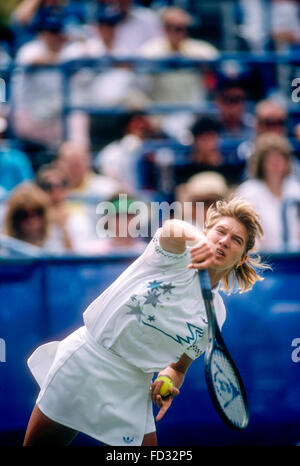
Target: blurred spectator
206,187
285,32
138,24
27,10
48,46
176,23
270,116
108,87
231,96
118,238
255,24
285,23
270,166
119,159
27,216
15,166
205,151
183,85
255,31
75,161
28,13
25,15
179,86
297,131
37,94
86,188
73,229
103,40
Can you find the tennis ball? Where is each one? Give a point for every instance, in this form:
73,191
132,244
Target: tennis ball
167,384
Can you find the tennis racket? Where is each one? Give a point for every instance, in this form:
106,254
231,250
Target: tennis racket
223,380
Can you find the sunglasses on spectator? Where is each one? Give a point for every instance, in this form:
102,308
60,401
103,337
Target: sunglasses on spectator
272,121
175,27
49,186
233,99
24,214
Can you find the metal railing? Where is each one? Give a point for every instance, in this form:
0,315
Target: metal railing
11,247
143,65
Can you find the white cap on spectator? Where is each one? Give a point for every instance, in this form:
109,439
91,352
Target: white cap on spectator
206,185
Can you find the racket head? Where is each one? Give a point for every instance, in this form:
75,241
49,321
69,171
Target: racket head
226,387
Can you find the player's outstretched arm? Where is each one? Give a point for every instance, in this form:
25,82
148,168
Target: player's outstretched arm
177,234
176,373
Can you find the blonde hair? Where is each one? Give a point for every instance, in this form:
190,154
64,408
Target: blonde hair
245,275
25,196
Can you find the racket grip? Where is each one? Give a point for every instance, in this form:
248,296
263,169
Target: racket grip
205,284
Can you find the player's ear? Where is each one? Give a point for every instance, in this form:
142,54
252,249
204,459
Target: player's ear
243,260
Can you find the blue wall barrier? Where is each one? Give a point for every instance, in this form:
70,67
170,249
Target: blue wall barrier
43,300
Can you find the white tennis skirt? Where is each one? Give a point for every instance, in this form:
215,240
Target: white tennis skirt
92,390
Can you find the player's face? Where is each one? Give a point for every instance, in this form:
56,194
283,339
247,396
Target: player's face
229,238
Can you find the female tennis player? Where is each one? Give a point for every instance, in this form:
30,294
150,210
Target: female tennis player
98,380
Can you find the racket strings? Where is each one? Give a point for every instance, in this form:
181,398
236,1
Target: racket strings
227,388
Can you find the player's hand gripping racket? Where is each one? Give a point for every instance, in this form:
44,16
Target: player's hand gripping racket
223,380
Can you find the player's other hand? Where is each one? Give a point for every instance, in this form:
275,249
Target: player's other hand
202,255
163,403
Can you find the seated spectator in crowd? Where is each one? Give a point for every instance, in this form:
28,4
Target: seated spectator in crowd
237,122
204,153
138,24
86,188
15,166
177,86
297,131
73,229
285,23
270,116
182,85
255,27
107,87
28,12
206,188
38,94
119,159
116,237
285,33
27,218
83,182
112,86
231,96
103,40
205,149
270,166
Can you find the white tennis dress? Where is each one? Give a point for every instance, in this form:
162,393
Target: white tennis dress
97,380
